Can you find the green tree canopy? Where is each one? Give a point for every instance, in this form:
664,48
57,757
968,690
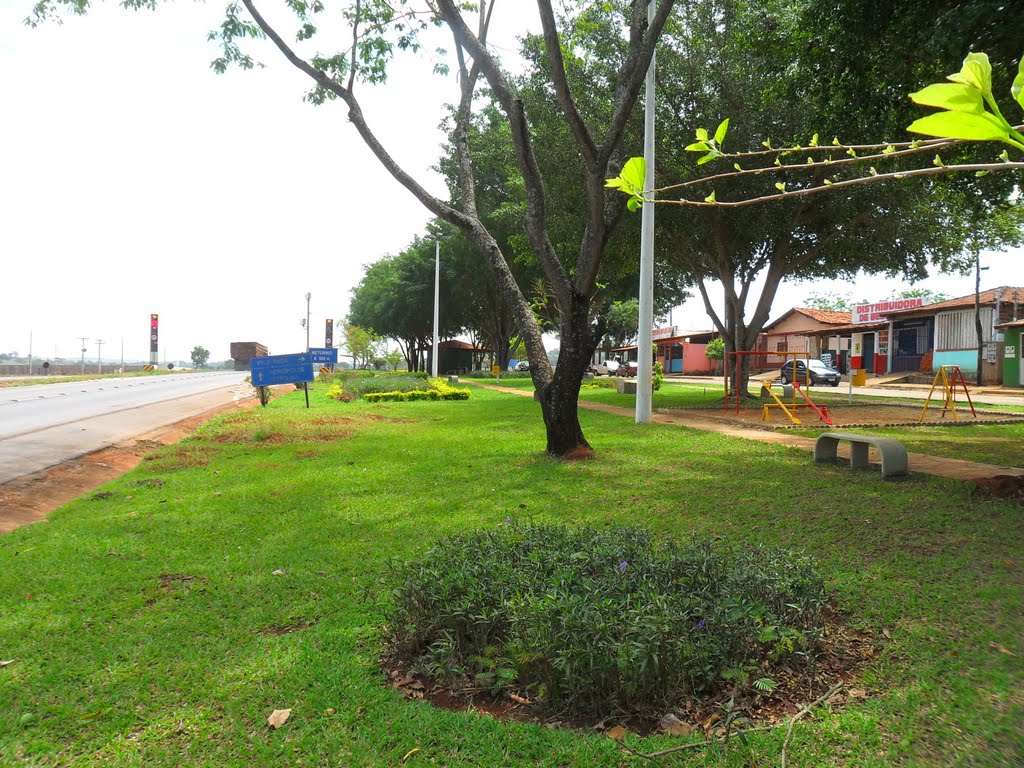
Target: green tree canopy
199,356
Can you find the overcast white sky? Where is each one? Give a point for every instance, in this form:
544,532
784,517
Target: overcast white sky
135,180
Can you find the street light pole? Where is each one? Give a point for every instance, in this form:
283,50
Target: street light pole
645,327
308,297
437,295
99,356
82,339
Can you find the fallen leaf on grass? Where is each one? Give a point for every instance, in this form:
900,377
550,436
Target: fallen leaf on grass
1001,649
278,572
410,753
616,733
857,693
278,717
5,663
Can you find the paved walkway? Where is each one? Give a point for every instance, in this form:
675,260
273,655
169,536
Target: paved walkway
957,469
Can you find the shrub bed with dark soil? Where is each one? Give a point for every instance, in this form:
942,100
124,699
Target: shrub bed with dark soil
588,624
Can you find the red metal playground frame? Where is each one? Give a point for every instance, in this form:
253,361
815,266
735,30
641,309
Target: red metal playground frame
822,411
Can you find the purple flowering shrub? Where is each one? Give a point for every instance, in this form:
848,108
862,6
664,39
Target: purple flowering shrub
594,622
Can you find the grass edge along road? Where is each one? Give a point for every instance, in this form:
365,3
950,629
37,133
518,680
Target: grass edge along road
161,620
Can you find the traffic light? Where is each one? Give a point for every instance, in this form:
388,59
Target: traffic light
329,334
154,333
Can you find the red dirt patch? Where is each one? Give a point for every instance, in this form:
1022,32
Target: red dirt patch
29,499
1000,486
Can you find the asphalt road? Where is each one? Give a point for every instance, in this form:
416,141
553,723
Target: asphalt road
46,424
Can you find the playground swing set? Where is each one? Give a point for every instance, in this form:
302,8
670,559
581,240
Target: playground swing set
798,398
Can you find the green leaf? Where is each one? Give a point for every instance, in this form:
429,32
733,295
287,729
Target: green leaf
955,97
634,173
702,134
835,141
1017,88
979,174
976,71
814,140
634,203
765,685
711,198
1004,156
938,162
721,131
851,152
962,125
889,150
698,146
737,165
781,186
767,143
828,183
707,158
873,171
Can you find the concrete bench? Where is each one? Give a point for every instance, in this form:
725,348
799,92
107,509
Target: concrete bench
894,455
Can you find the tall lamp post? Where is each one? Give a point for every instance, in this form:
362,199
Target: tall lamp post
308,297
82,339
99,356
644,341
437,294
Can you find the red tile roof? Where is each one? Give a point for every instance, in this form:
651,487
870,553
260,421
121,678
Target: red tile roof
985,298
832,317
826,316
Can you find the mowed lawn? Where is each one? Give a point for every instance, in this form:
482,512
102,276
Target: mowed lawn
159,621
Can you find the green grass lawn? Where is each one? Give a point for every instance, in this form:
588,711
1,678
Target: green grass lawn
149,628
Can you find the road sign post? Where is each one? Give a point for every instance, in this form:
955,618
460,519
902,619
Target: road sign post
282,369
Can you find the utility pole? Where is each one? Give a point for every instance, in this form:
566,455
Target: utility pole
308,297
978,269
82,339
99,356
30,353
437,294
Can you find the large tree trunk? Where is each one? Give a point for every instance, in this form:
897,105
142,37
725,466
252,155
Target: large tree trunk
559,399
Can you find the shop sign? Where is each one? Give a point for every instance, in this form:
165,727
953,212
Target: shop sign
873,313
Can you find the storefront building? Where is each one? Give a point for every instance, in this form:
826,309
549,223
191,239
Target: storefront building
1013,353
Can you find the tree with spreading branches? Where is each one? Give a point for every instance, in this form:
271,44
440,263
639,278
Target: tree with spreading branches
795,206
376,29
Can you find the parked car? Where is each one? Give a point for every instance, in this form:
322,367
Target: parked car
810,372
522,365
605,368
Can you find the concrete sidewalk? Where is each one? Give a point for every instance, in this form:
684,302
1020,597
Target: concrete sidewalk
957,469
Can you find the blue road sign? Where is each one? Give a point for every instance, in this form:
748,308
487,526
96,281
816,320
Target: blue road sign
323,355
280,369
